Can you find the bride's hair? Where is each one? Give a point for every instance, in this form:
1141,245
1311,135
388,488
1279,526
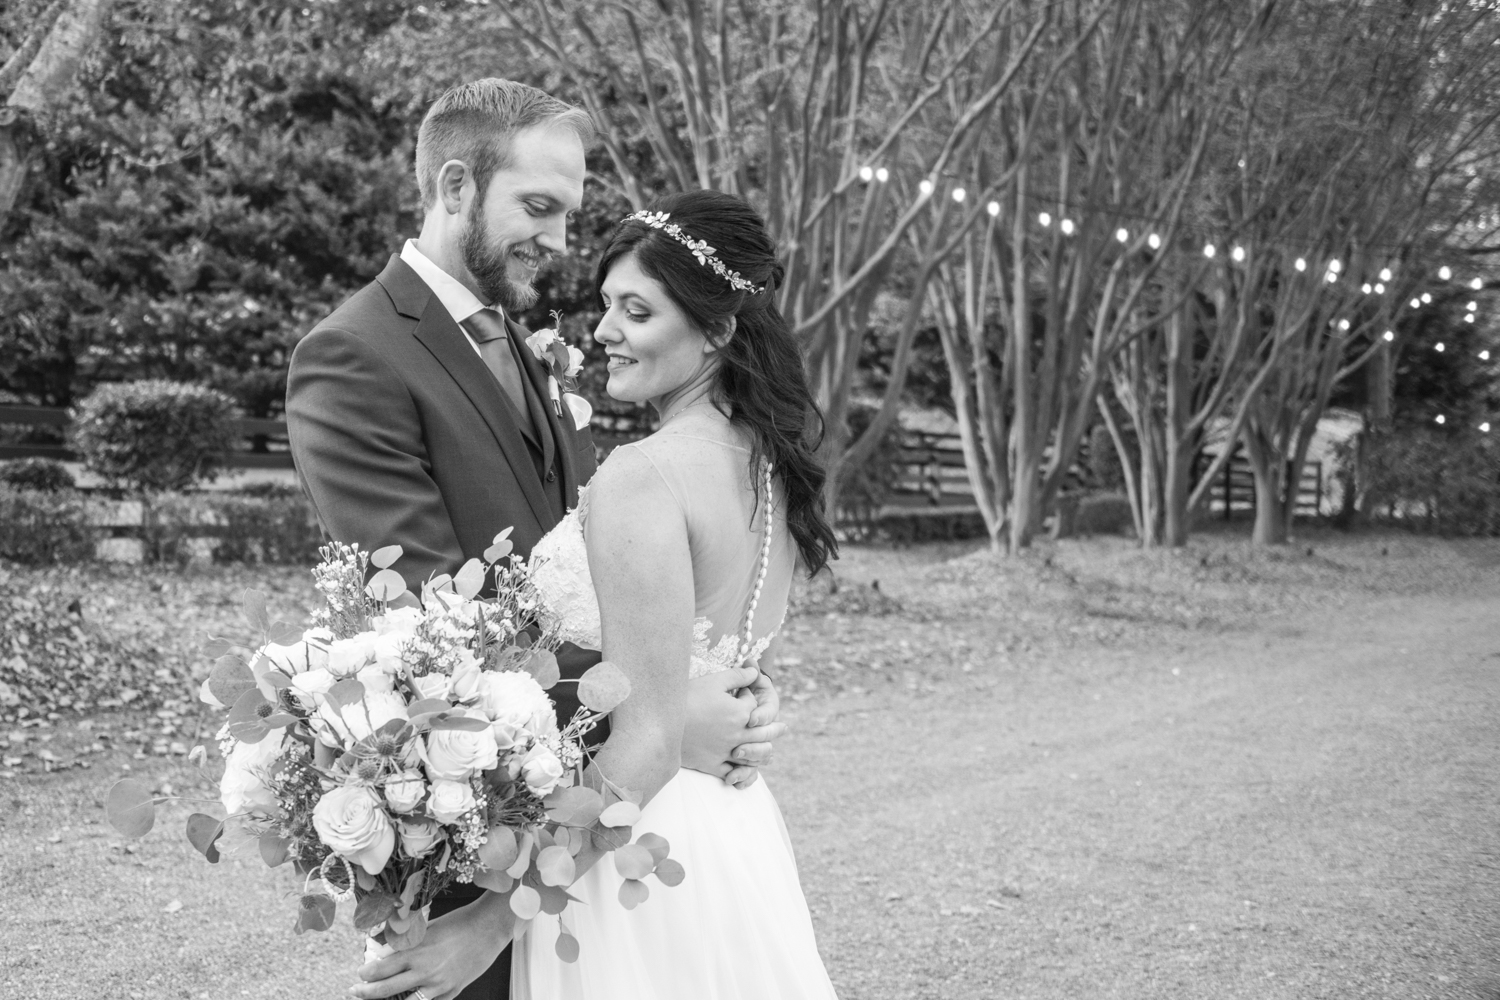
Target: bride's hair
760,378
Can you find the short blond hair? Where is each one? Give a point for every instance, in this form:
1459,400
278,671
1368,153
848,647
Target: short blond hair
474,122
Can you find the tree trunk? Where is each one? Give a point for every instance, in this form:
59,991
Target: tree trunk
15,157
1270,512
1175,494
1026,507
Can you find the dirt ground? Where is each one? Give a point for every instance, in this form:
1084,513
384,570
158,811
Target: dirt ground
1087,772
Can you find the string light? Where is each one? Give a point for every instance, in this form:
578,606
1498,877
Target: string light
1445,272
1044,219
1484,355
867,174
1122,234
1469,318
1385,274
925,187
1335,265
959,194
1332,276
1379,288
1067,227
1476,284
1389,336
1209,251
1343,324
1366,288
882,175
1416,303
1440,347
1238,253
1154,241
1484,428
993,208
1301,264
1427,298
1471,307
1442,419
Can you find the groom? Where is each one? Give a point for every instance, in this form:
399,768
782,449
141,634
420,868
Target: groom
417,415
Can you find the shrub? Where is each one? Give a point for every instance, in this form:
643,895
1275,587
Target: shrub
37,474
41,527
154,434
1439,481
864,490
242,529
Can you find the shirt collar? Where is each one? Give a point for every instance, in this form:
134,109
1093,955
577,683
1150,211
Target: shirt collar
457,299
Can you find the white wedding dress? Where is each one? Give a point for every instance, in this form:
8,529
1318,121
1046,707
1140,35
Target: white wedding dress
737,928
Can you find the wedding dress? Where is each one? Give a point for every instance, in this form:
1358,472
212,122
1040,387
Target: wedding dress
737,928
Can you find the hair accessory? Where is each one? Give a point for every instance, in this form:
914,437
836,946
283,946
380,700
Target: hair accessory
700,249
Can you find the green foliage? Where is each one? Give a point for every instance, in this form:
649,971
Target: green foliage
1439,481
44,527
154,434
253,530
862,491
44,474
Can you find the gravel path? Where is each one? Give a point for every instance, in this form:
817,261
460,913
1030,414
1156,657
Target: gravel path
1305,810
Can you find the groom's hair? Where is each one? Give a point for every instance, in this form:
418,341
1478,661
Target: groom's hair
475,122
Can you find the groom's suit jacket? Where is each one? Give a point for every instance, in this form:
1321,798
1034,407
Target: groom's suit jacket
401,435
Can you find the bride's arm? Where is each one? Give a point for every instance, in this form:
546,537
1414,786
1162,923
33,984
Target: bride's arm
643,573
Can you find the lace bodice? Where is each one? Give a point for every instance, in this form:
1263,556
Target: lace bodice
722,576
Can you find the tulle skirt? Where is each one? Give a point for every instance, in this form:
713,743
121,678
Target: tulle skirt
737,928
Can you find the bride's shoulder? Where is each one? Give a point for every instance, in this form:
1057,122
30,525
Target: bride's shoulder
630,481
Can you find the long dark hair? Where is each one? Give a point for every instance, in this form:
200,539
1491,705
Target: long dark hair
760,377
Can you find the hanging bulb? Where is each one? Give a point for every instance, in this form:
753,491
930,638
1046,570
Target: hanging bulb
1484,355
1365,288
1335,266
1301,264
925,187
1332,276
1416,303
1153,241
866,174
1343,324
959,194
1445,272
1122,234
1379,288
1238,253
1476,284
1442,419
993,208
1439,347
1385,274
1209,251
1427,298
1067,227
1469,318
1389,336
1484,428
882,175
1472,307
1044,219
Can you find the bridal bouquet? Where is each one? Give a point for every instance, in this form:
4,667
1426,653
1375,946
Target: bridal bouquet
405,742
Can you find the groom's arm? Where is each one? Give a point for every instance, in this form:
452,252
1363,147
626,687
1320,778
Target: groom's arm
356,438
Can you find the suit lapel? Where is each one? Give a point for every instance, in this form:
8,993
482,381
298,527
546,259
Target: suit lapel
541,410
446,340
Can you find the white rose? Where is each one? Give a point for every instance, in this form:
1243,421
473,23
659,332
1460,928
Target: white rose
418,836
340,727
243,787
376,678
404,791
575,362
464,685
456,754
542,770
400,622
347,656
450,800
310,653
388,648
430,686
517,706
349,820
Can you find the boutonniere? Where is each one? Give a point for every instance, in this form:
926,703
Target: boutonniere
564,362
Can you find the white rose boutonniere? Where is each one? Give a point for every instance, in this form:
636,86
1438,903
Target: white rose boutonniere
564,364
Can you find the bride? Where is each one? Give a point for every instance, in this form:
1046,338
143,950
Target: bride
690,538
676,563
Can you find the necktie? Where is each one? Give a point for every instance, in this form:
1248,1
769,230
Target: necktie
488,330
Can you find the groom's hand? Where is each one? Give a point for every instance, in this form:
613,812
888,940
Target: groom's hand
456,950
749,757
718,711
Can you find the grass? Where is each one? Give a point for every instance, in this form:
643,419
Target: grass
1089,770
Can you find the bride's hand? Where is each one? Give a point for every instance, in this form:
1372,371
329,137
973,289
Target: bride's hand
719,707
753,754
456,950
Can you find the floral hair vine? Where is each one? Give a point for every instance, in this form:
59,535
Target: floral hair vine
700,249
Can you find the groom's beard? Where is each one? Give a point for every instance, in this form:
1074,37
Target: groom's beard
489,266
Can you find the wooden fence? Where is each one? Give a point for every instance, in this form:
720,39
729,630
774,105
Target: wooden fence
264,441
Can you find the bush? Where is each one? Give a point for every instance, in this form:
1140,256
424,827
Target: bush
864,490
41,527
1443,482
154,434
239,529
37,474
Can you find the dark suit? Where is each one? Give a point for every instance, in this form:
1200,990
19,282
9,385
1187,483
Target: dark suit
401,435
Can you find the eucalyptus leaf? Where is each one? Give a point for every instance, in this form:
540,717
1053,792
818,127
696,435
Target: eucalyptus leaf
493,880
214,647
670,871
566,947
469,580
130,808
500,849
273,849
633,893
525,902
622,813
285,633
373,908
578,805
315,912
542,665
415,931
523,856
203,833
656,844
386,586
229,679
603,687
253,606
634,861
348,691
463,723
385,558
555,867
428,706
555,899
